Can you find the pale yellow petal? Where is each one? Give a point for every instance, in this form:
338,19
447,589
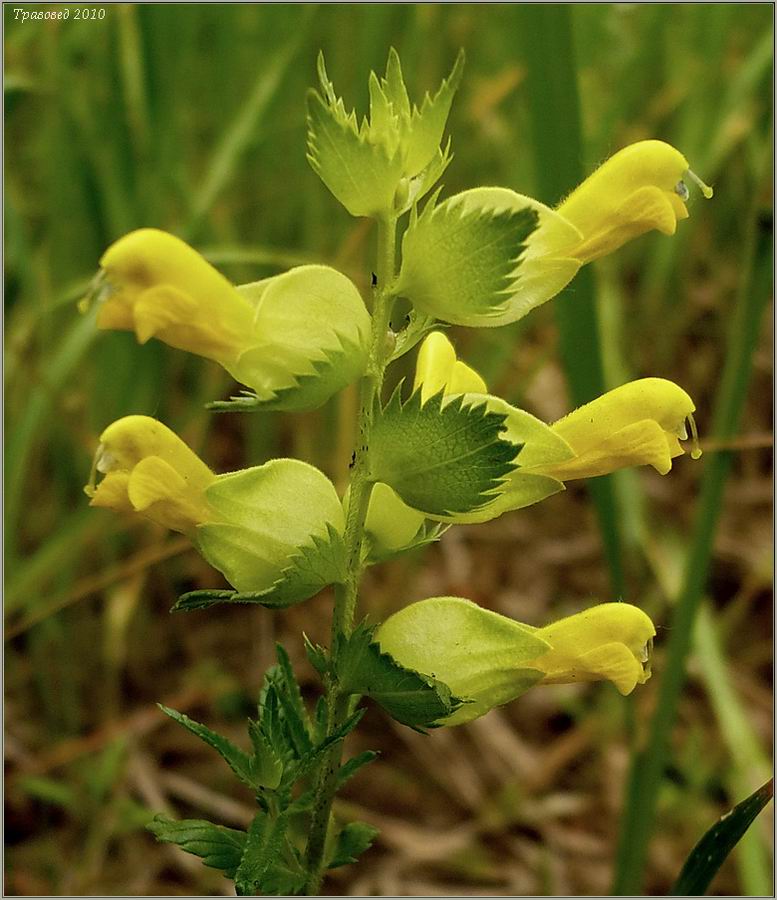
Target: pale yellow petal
111,493
129,440
640,444
159,286
648,398
163,495
611,641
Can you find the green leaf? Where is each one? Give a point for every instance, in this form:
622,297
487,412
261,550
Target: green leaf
315,333
540,446
485,257
387,163
312,568
427,124
272,722
237,759
713,849
317,656
353,840
294,713
218,847
262,849
323,377
419,325
442,457
350,768
484,657
291,687
276,531
361,174
459,262
266,765
411,698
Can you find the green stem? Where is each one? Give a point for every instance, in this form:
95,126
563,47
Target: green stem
346,595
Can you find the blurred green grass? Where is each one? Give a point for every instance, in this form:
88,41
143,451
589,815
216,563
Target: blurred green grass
191,118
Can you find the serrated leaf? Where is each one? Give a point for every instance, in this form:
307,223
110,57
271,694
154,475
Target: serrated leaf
218,847
313,567
291,687
262,848
294,714
427,124
525,485
457,257
266,764
353,765
275,532
442,458
353,840
307,385
712,850
317,655
460,262
304,802
271,719
236,759
339,734
411,698
387,163
312,334
360,174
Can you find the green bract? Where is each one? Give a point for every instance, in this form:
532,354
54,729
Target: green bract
415,699
383,165
481,656
486,257
441,458
267,518
539,446
314,332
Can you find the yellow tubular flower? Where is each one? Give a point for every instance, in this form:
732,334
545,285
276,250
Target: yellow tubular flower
609,642
148,469
639,423
638,189
488,659
158,286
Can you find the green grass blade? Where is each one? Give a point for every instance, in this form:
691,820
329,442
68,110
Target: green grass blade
242,131
647,768
551,85
711,851
750,763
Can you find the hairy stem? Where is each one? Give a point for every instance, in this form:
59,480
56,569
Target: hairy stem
346,595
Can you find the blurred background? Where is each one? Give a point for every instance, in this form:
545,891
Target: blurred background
191,118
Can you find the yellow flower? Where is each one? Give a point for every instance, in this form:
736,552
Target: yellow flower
488,659
638,189
609,642
438,369
148,469
636,424
158,286
639,423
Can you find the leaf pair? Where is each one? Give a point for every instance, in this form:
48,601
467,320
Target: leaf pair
383,165
286,748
